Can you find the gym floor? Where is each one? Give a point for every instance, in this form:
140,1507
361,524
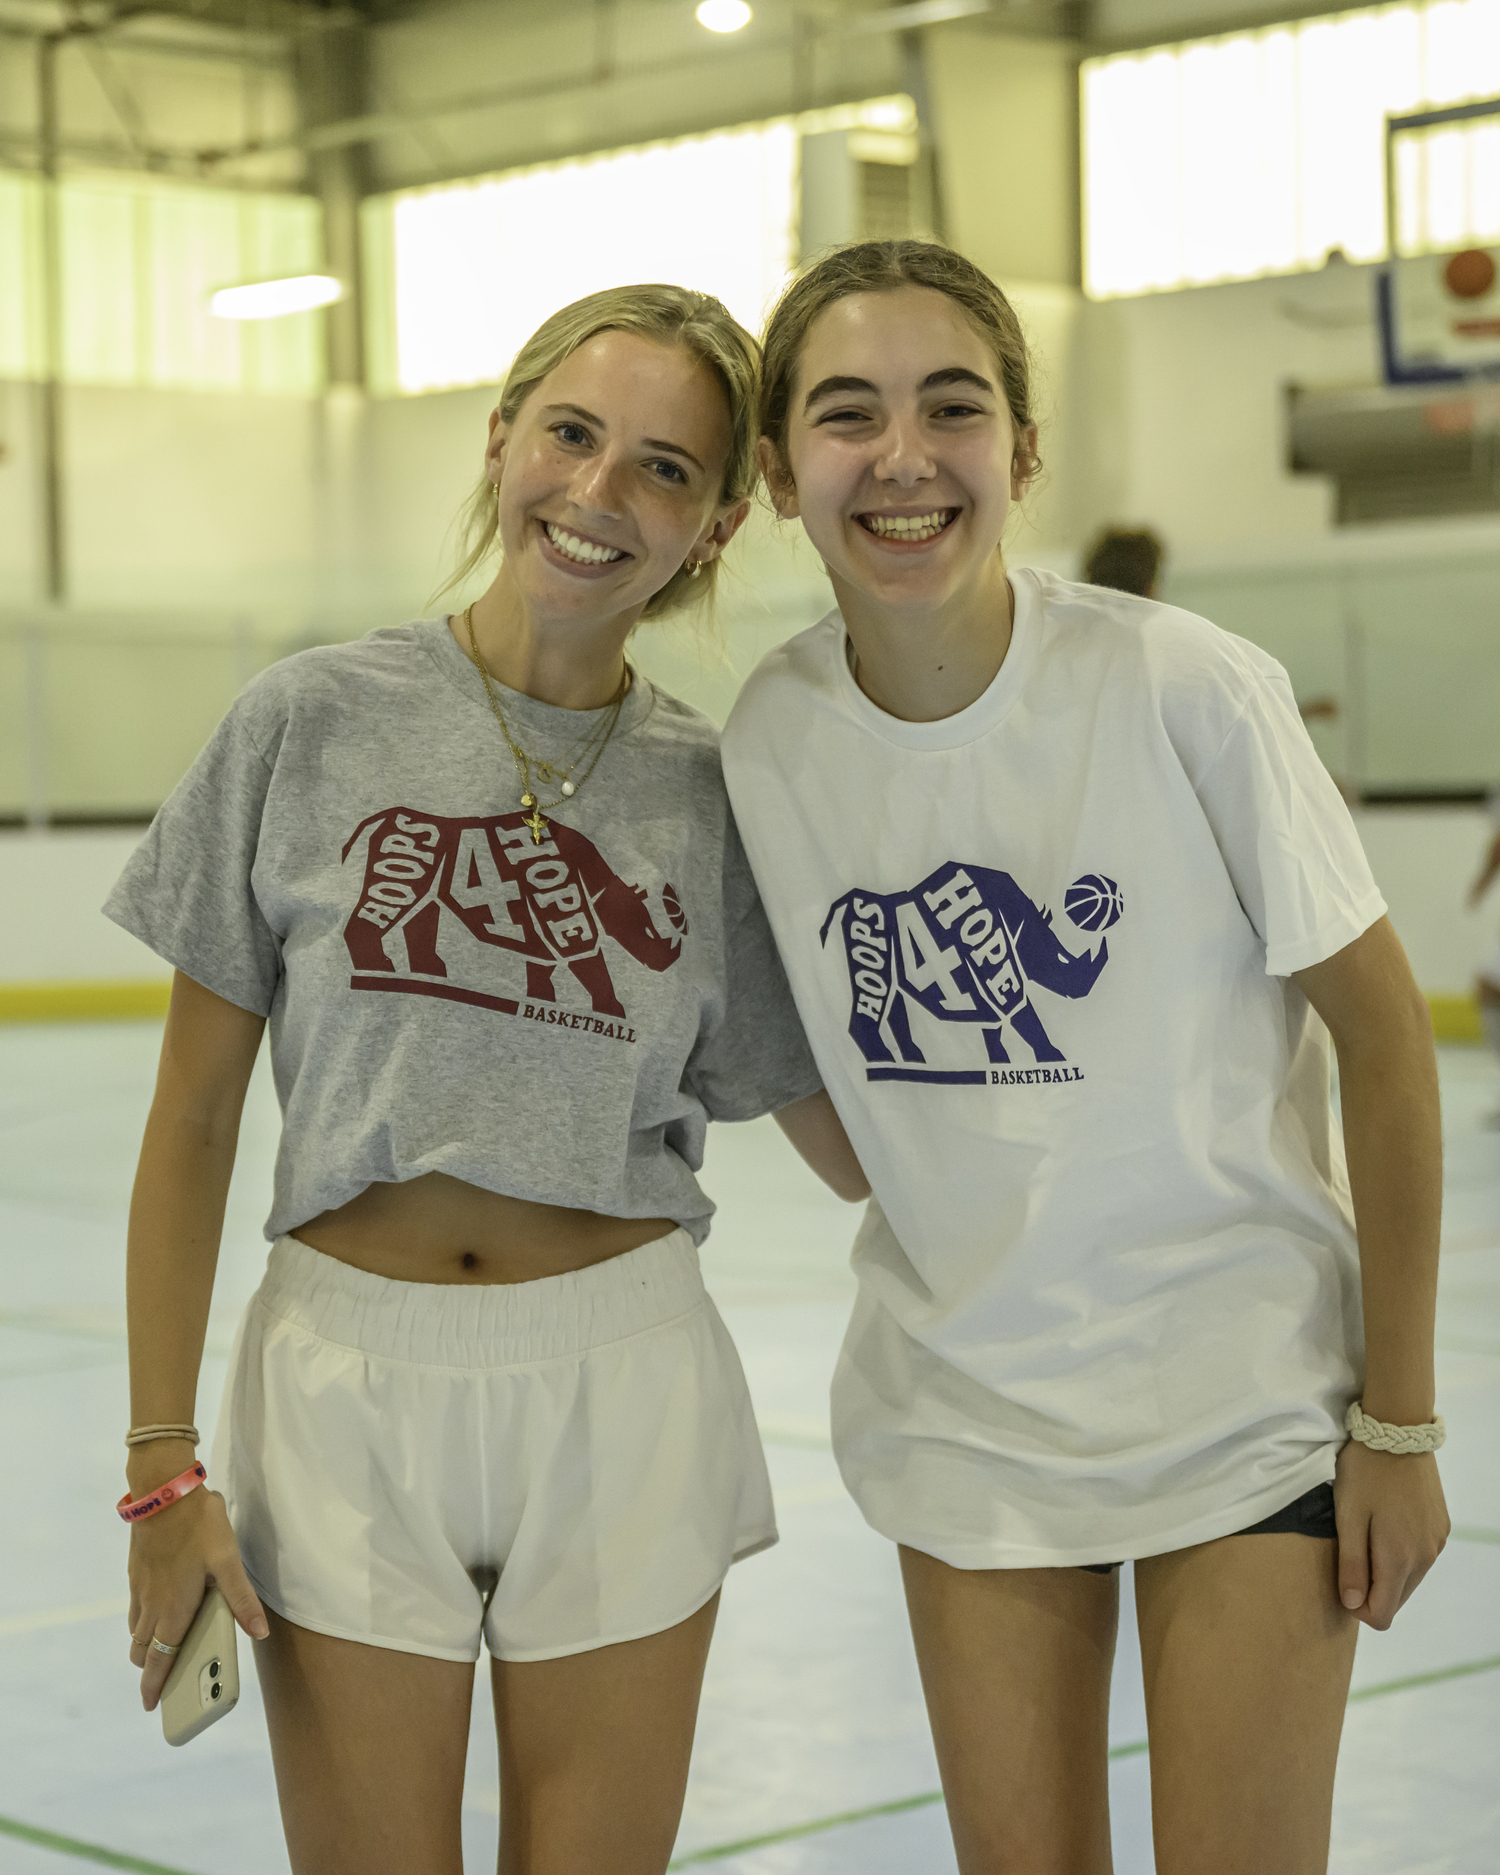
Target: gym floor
812,1753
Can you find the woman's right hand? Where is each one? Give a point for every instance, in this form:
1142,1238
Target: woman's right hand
175,1557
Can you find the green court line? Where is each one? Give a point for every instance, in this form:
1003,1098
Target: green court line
919,1802
1425,1679
723,1849
84,1851
1135,1749
112,1858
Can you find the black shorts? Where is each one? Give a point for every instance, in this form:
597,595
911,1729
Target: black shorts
1310,1515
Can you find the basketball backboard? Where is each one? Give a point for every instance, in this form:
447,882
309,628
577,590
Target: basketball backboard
1438,299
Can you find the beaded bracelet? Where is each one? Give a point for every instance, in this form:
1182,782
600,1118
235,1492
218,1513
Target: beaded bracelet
162,1496
1382,1437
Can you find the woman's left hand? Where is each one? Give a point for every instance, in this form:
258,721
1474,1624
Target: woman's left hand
1392,1524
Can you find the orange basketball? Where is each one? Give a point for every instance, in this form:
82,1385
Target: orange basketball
1469,274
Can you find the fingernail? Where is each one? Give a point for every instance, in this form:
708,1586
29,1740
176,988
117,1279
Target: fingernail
260,1628
1352,1598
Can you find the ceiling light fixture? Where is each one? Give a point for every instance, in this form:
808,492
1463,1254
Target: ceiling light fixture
723,16
272,299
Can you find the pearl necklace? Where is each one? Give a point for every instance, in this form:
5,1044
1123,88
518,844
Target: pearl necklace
562,777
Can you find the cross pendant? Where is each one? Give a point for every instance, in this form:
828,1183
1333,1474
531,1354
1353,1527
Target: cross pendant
537,825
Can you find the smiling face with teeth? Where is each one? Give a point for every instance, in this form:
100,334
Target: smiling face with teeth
608,479
901,463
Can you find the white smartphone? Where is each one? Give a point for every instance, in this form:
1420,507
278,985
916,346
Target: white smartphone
204,1682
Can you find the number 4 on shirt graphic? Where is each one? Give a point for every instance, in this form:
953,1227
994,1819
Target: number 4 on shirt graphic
967,944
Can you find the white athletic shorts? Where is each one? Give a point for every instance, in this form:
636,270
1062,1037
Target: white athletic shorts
388,1450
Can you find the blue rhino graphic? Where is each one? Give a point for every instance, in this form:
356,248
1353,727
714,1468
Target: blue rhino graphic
968,945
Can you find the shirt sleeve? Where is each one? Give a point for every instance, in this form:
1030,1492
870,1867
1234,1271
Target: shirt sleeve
187,890
1287,837
755,1058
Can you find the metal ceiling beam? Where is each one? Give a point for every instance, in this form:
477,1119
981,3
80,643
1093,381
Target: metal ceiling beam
150,34
50,388
374,125
198,16
1217,18
101,153
904,19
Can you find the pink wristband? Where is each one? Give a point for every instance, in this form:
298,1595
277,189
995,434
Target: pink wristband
162,1496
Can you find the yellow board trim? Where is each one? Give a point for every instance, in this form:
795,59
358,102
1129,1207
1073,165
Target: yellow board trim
1455,1019
135,999
128,999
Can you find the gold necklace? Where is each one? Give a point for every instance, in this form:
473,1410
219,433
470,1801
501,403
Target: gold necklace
525,763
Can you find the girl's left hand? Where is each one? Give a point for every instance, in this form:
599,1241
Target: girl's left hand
1392,1524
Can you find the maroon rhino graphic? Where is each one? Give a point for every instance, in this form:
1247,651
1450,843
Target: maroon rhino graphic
552,902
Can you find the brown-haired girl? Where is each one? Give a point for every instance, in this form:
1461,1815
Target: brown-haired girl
484,883
1070,910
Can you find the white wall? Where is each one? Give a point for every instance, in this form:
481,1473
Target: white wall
55,882
1183,395
1165,408
55,932
1395,622
212,535
1424,860
1005,112
322,518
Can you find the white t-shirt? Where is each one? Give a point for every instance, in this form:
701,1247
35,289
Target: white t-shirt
1040,949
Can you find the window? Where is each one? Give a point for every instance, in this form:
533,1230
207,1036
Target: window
459,275
1446,185
139,258
1255,153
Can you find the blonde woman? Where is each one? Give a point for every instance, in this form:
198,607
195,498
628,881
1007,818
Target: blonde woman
483,881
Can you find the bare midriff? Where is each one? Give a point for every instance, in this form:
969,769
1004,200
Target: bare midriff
437,1229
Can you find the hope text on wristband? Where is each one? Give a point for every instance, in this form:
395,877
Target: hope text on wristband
162,1496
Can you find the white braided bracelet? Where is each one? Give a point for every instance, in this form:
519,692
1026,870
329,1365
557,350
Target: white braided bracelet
1381,1437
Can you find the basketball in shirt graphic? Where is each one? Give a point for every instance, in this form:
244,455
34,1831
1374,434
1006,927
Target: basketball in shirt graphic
965,945
552,903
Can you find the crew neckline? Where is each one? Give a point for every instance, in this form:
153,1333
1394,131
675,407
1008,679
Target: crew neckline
976,719
549,719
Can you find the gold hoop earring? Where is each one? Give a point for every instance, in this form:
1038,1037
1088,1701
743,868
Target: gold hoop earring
692,568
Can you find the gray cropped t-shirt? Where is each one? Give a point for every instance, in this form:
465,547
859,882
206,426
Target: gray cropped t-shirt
555,1022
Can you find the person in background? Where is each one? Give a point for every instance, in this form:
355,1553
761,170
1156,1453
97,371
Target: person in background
1487,986
483,882
1127,559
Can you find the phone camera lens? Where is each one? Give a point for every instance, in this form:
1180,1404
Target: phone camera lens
213,1669
218,1689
